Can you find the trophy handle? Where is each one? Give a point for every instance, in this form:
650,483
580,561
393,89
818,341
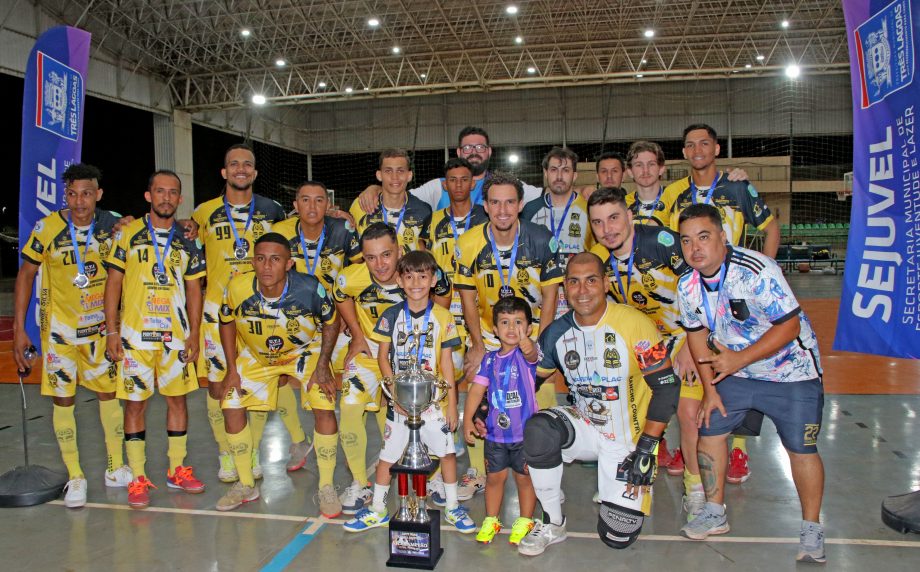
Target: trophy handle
443,387
385,384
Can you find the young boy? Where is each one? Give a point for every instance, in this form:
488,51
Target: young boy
507,377
429,331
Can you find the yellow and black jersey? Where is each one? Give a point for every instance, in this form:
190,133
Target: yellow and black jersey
439,333
737,201
410,221
371,298
220,240
572,231
340,247
154,315
602,366
442,237
69,314
277,331
656,212
650,285
537,264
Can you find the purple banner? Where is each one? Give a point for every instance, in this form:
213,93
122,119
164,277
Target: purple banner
880,304
52,130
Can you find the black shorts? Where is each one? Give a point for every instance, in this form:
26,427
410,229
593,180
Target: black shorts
500,456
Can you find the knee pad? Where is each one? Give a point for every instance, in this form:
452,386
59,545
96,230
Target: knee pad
618,526
546,434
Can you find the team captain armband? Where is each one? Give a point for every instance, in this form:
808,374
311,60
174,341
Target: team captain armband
665,394
650,356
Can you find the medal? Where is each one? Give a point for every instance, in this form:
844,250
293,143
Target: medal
81,280
240,253
183,356
457,253
311,267
503,420
159,271
557,230
242,248
553,244
506,292
162,278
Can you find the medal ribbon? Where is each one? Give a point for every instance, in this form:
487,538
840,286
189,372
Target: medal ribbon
411,332
236,236
453,226
402,213
311,268
161,258
81,260
693,192
615,265
654,204
552,222
500,396
709,312
498,260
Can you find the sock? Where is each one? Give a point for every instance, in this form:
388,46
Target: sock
287,410
257,421
477,457
177,448
353,434
716,508
326,447
113,427
739,442
136,447
379,502
691,481
216,419
241,448
546,396
548,485
65,431
450,491
381,420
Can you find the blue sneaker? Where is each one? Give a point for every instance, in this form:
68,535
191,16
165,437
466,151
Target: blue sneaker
355,497
460,518
436,492
366,519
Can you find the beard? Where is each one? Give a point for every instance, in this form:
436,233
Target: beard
164,211
480,167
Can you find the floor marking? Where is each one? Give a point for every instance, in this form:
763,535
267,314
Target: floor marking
315,524
290,551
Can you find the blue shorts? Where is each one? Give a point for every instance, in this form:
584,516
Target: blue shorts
794,407
500,456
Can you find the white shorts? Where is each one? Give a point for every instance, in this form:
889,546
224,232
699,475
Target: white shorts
435,436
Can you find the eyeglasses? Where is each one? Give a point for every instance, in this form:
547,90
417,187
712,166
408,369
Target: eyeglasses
479,148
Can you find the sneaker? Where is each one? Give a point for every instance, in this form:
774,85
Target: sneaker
664,455
355,497
676,466
236,496
490,527
366,519
521,528
329,505
542,535
693,503
436,491
256,465
811,543
183,478
470,484
460,518
707,522
138,495
738,470
119,478
227,471
297,455
75,493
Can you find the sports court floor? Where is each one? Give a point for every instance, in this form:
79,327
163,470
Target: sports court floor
869,443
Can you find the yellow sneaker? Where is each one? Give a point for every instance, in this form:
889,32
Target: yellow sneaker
490,527
521,528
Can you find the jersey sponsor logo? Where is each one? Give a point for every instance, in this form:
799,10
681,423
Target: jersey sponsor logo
574,230
258,230
752,191
274,343
88,331
39,226
340,281
320,291
665,239
158,305
292,327
575,216
612,358
523,277
610,338
37,246
91,269
757,210
639,299
174,257
153,336
572,359
648,281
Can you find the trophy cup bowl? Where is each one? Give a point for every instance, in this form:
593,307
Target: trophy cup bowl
414,390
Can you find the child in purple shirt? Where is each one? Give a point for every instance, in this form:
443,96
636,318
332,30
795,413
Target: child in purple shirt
506,381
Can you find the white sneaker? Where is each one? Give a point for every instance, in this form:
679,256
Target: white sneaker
542,535
227,471
75,493
256,465
436,491
694,502
470,484
119,478
355,497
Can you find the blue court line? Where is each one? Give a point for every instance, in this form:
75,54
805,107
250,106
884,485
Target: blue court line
290,551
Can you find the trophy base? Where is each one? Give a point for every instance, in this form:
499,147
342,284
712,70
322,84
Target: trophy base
414,545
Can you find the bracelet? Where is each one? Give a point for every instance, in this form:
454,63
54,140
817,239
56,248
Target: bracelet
107,334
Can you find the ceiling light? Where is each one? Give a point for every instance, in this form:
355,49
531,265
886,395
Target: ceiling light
784,24
367,89
348,90
793,71
395,49
513,159
258,99
650,33
640,75
760,57
747,66
518,40
531,69
280,63
424,75
373,22
245,32
511,10
644,61
322,84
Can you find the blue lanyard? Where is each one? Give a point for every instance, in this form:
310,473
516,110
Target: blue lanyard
402,213
410,332
311,268
709,312
161,266
552,221
654,205
453,226
709,194
498,260
264,302
236,236
615,264
500,396
81,260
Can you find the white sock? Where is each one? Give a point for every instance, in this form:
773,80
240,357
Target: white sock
547,483
450,492
379,502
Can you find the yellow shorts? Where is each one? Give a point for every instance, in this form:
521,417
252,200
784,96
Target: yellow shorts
259,383
361,383
66,366
339,352
211,360
691,392
140,368
675,344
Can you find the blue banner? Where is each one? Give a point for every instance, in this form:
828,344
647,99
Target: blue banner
52,130
880,304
